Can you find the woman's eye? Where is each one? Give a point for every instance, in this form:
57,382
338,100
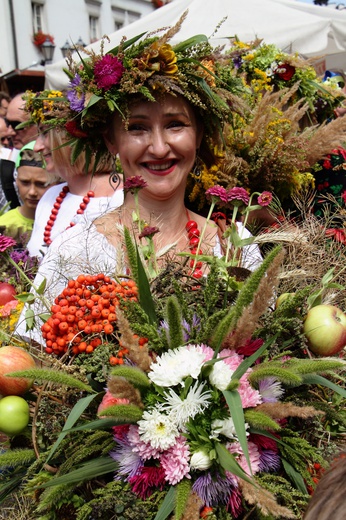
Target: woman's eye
176,124
136,127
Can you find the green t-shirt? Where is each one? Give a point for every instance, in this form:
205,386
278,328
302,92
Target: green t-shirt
15,225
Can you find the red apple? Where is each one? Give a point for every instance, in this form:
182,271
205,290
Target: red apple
325,329
13,359
7,293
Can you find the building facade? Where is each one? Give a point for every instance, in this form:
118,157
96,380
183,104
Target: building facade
64,23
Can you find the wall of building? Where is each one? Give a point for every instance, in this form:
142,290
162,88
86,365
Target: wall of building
64,20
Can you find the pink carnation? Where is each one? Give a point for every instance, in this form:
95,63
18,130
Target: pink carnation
108,71
175,461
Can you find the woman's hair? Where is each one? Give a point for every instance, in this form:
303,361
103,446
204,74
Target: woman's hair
329,500
62,155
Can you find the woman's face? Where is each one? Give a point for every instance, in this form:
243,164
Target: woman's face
43,146
159,143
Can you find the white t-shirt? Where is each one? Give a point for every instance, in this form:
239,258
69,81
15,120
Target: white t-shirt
67,214
81,249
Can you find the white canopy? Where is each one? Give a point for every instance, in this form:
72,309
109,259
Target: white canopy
291,25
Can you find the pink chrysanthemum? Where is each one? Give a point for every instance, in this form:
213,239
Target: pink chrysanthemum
217,194
254,456
238,197
6,243
207,351
175,462
143,449
265,198
108,71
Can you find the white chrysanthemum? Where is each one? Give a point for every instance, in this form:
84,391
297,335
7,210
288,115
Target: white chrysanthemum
174,366
181,410
157,429
224,427
200,461
220,375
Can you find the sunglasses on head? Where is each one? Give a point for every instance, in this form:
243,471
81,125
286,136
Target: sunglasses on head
13,124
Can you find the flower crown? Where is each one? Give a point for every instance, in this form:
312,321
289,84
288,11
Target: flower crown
103,84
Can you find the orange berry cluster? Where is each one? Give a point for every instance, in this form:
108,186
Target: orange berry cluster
84,312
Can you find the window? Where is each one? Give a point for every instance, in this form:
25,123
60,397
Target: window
94,28
37,17
123,17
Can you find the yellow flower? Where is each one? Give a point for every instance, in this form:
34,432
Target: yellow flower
208,64
161,59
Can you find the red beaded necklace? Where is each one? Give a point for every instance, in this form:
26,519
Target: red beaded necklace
56,207
193,234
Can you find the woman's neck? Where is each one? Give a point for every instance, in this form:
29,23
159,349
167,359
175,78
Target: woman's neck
99,184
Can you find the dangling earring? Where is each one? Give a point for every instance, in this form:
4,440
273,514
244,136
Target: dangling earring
197,168
114,178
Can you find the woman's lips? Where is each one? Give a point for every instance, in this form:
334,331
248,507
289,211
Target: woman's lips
160,168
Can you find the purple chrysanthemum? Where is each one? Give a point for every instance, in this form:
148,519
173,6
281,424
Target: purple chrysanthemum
269,461
265,198
217,194
6,243
75,95
238,197
134,184
130,463
214,490
108,71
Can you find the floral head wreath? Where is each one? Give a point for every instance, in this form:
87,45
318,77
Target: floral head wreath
103,84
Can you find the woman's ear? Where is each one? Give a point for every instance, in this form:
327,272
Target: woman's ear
109,141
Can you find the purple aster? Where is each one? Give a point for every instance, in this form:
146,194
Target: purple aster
75,94
134,184
187,327
213,490
270,389
265,198
130,463
269,461
217,194
6,243
237,61
238,197
108,71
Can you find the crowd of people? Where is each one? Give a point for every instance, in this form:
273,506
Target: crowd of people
114,152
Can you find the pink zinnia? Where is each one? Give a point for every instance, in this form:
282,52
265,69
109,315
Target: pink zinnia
175,461
134,184
108,71
265,198
216,194
6,243
238,197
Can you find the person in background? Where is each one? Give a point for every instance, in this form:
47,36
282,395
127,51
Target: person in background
15,116
6,134
32,182
4,102
328,500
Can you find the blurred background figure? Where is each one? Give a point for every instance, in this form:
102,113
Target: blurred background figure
16,115
4,102
328,501
7,156
6,134
32,182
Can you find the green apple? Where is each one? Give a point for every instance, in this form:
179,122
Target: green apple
14,415
283,297
325,329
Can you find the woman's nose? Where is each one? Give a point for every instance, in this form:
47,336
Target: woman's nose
39,144
158,143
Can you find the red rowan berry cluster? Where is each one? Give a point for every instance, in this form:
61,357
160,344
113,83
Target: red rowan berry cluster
84,312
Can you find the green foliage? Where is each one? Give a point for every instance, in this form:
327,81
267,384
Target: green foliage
16,458
133,374
183,491
274,370
174,317
260,420
52,376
